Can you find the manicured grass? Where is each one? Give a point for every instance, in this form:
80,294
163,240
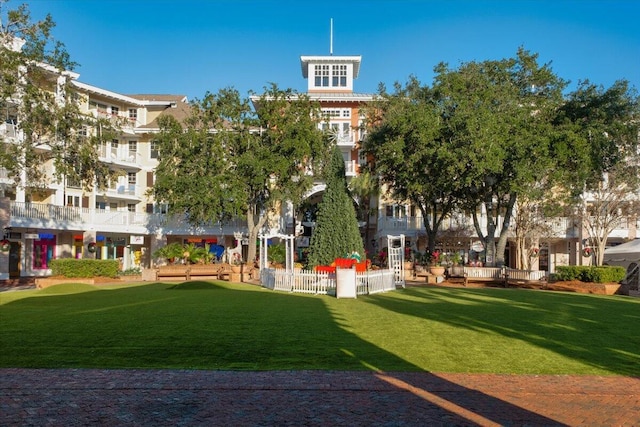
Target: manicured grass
211,325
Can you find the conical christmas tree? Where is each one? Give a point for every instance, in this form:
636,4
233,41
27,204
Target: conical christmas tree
336,233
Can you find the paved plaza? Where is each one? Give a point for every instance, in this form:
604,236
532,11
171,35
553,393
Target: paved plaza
75,397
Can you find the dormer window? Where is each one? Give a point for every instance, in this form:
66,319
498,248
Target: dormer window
322,75
339,74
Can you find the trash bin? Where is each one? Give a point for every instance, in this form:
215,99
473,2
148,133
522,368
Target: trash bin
345,283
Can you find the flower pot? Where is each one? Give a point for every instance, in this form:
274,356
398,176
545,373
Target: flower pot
408,265
437,270
236,268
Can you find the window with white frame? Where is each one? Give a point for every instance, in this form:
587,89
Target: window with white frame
131,178
115,111
339,75
155,149
321,73
133,150
133,114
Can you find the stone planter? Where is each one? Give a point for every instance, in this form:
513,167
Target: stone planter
236,268
437,270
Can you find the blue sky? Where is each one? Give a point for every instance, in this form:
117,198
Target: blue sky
190,47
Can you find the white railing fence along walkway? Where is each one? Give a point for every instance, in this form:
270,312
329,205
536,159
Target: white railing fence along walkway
311,282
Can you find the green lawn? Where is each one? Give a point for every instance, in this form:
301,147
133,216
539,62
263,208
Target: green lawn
213,325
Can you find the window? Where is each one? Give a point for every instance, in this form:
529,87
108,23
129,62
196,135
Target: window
73,201
133,150
321,75
131,207
95,105
114,148
101,205
131,178
339,75
73,182
43,251
133,114
155,149
114,111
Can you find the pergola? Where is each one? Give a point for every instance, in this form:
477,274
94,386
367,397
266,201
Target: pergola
264,249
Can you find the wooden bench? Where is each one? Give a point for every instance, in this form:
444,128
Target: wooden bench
526,278
428,277
172,271
206,270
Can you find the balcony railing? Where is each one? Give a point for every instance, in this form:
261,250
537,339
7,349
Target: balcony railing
41,215
558,227
351,168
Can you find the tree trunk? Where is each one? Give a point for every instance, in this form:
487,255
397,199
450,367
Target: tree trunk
253,226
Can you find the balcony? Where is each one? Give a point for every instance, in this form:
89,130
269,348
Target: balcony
119,120
53,217
122,158
350,168
345,139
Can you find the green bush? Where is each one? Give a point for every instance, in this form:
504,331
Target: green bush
277,253
71,267
585,273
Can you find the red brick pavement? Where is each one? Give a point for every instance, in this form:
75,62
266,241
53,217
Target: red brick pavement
67,397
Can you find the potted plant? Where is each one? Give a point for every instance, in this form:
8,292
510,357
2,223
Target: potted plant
236,263
277,255
436,268
408,258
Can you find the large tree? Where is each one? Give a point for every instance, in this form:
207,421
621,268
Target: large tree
501,114
228,160
336,233
410,153
599,154
39,102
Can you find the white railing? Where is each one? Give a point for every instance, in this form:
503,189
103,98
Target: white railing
526,275
45,212
345,139
484,273
375,281
34,215
496,273
311,282
350,168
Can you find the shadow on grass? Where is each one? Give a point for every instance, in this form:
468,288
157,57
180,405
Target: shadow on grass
595,330
238,327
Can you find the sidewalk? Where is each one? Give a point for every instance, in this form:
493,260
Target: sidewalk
55,397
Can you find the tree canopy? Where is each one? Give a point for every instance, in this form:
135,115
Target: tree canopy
38,101
228,160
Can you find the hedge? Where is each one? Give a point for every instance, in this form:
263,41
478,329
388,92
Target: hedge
584,273
71,267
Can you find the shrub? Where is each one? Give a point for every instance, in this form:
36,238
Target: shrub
583,273
277,253
71,267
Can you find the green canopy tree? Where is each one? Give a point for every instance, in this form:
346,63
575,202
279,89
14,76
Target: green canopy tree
501,113
599,154
336,233
38,100
410,153
228,160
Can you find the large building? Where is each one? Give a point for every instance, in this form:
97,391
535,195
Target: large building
122,221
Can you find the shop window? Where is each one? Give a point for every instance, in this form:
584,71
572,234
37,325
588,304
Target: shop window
43,251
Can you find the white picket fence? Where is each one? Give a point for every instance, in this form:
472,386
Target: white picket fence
497,274
312,282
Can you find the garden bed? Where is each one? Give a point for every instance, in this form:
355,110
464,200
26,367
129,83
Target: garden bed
584,287
44,282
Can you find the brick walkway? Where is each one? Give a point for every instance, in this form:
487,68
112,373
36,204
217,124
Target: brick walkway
68,397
